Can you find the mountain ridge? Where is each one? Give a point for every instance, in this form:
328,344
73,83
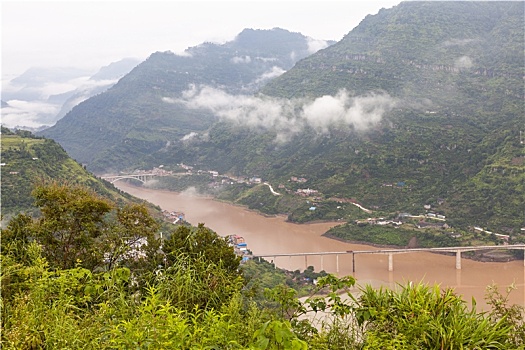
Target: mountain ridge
138,97
415,106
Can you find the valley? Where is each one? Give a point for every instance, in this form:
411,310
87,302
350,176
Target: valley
266,235
236,193
400,114
355,223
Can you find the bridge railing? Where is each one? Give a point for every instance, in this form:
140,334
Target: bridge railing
140,177
391,252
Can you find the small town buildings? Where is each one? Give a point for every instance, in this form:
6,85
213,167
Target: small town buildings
306,191
298,179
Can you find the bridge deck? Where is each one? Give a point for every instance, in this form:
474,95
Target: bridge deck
399,251
391,252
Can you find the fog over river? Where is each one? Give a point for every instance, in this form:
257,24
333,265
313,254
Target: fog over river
273,235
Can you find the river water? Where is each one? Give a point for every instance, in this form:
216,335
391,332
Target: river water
273,235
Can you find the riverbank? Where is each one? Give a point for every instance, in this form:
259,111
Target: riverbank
496,256
273,235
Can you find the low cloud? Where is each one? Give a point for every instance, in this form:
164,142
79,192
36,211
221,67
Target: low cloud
241,59
458,42
361,112
266,59
315,45
190,192
464,62
40,106
272,73
189,136
26,114
152,183
56,88
185,53
169,100
289,117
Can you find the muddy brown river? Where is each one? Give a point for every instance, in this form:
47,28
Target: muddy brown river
273,235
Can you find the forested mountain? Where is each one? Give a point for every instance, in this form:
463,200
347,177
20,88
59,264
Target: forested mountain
97,83
139,115
420,105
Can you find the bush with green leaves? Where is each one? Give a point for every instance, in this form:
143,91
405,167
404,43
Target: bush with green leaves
418,316
78,227
199,298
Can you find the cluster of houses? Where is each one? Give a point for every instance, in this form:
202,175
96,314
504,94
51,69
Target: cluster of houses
175,217
378,221
397,184
188,168
226,179
159,171
429,215
298,179
240,247
305,192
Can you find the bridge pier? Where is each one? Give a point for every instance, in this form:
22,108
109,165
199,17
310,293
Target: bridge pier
458,259
337,263
322,268
390,262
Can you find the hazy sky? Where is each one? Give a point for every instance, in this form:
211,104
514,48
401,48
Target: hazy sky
92,34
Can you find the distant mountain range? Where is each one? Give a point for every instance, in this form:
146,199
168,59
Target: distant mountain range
419,106
41,96
141,114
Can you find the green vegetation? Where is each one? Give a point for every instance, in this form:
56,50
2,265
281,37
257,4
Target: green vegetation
85,268
125,125
394,319
452,140
198,296
408,235
77,227
29,160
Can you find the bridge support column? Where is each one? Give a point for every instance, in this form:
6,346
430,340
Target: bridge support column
458,260
322,268
305,262
353,262
523,257
274,263
390,262
337,263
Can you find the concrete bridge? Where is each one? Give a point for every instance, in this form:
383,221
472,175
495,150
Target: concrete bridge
391,252
141,177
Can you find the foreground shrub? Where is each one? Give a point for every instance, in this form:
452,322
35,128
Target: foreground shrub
421,317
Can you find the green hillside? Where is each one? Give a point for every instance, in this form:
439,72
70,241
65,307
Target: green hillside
420,106
28,160
140,114
75,278
451,141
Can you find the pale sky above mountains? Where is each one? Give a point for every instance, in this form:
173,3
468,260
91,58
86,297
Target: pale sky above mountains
91,34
